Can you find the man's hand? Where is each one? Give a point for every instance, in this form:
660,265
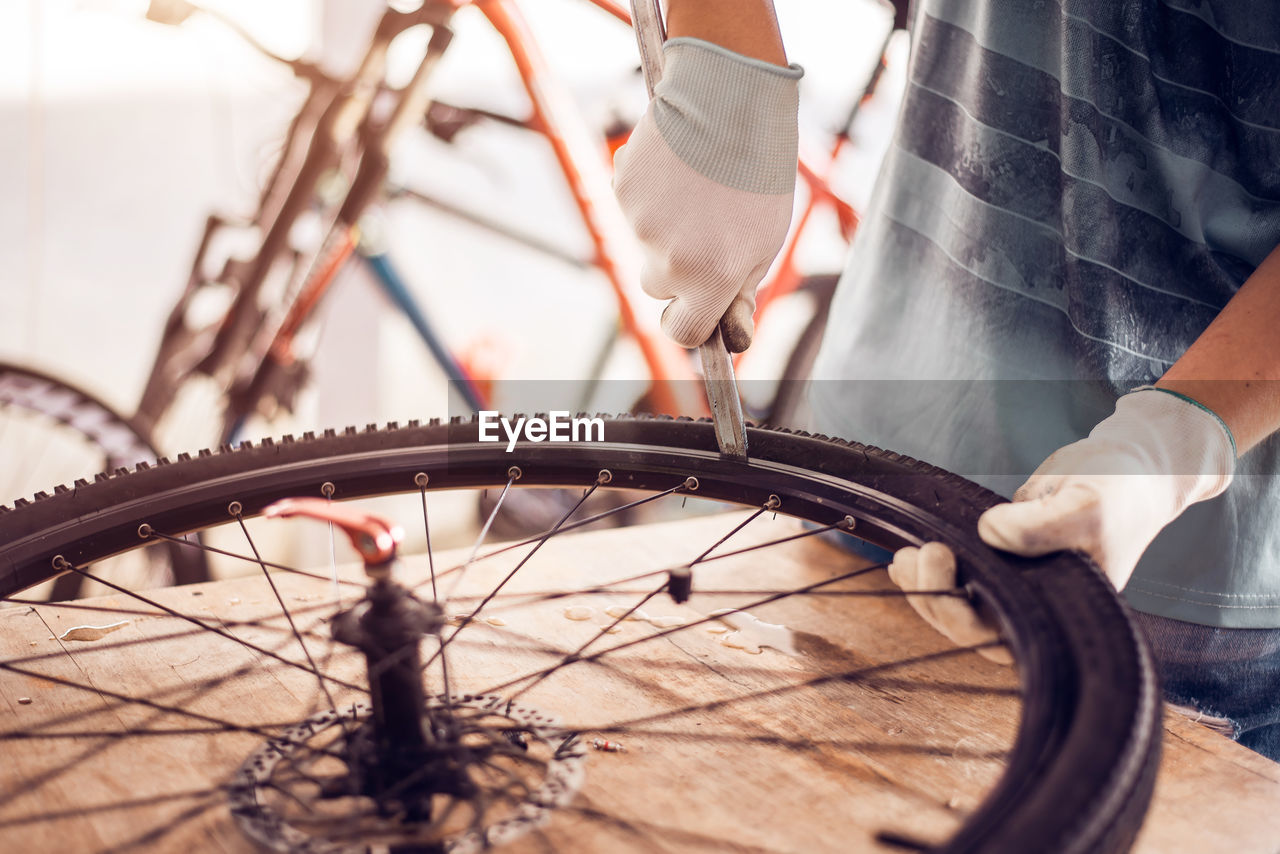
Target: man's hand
931,569
1107,496
707,180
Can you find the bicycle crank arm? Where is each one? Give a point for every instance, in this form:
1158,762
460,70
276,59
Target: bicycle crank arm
717,364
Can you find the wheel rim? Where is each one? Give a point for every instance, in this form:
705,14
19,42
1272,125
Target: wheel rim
824,496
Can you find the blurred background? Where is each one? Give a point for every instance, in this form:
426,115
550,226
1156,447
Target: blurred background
119,136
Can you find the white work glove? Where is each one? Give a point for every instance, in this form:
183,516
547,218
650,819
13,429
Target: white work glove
1107,496
932,567
707,181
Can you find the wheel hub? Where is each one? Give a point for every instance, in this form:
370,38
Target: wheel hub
503,770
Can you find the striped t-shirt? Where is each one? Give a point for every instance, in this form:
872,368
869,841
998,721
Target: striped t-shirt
1075,190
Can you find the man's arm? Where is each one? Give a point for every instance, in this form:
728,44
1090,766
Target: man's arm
748,27
707,179
1075,500
1233,368
1171,453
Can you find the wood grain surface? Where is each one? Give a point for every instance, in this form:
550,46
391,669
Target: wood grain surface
869,723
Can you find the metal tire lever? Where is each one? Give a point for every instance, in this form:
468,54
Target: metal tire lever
717,364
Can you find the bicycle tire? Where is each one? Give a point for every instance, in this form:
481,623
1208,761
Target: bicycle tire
121,442
1081,772
67,413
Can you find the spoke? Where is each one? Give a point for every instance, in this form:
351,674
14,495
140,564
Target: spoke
771,504
536,646
421,479
260,623
535,597
512,474
169,538
573,656
219,723
203,625
605,514
564,529
327,489
324,688
110,738
845,524
601,479
705,620
193,691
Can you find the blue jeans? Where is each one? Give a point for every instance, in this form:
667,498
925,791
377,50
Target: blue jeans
1226,673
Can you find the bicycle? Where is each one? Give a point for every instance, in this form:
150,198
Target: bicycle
1078,772
252,352
51,427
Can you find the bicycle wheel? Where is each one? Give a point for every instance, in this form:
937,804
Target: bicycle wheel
53,432
1077,775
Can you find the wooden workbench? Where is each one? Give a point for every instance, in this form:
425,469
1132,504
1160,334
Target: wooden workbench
766,754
